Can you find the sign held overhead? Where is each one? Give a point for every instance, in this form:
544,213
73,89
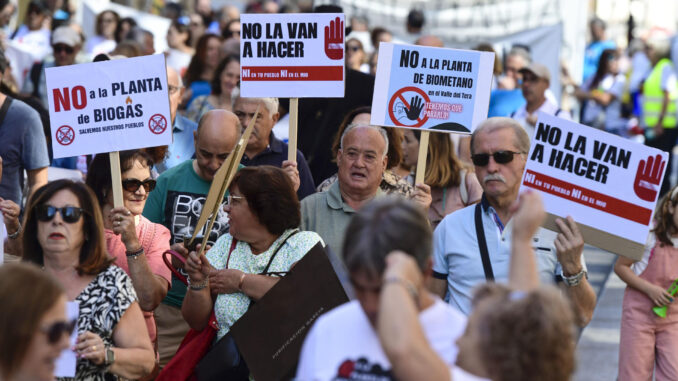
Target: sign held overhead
109,106
292,55
431,88
608,184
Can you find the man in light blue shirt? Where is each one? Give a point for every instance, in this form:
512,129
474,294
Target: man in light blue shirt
499,148
182,147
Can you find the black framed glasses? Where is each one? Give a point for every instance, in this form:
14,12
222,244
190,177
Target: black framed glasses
54,331
70,214
133,185
500,157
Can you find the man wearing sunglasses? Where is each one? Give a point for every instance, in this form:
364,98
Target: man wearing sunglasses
66,44
473,245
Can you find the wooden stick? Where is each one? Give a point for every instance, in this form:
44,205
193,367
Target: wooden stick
294,119
220,183
421,158
116,179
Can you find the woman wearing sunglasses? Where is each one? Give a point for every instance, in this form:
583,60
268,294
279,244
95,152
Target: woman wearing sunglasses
63,233
33,326
135,242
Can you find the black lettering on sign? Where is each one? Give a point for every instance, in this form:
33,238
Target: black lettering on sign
579,166
302,30
538,153
251,31
409,59
276,32
247,49
547,134
280,49
611,154
579,145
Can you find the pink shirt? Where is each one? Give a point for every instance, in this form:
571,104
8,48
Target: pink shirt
155,239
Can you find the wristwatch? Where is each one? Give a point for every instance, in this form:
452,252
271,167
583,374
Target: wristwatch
110,356
573,280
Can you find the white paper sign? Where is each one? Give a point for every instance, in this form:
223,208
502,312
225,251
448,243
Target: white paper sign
602,180
292,55
109,106
431,88
65,364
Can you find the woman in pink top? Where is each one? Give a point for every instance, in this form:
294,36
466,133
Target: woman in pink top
136,243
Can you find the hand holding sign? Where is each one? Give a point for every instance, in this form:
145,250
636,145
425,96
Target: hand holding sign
334,37
648,178
416,105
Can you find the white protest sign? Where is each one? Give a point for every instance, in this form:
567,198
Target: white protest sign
608,184
292,55
109,106
431,88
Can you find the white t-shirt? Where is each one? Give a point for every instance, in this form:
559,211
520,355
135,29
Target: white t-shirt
547,107
343,345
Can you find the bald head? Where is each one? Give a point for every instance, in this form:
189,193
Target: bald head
216,137
430,41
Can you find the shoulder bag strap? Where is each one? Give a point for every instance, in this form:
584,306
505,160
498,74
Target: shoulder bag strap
276,252
482,245
5,107
230,250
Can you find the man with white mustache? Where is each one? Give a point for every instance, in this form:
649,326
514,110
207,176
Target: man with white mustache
499,148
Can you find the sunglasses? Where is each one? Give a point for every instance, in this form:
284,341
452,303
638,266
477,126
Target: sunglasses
500,157
133,185
70,214
55,331
63,48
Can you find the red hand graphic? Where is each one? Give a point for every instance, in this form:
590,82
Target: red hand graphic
649,177
334,39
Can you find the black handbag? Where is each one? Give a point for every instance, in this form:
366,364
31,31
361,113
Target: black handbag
224,361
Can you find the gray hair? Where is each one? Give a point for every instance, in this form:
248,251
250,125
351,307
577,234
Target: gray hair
271,104
353,126
522,140
522,53
382,226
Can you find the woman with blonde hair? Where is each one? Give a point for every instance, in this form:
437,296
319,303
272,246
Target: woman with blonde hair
453,184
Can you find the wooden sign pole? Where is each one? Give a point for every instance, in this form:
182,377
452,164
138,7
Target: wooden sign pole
116,179
421,158
294,119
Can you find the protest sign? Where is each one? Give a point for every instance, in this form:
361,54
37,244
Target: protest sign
608,184
109,106
292,55
431,88
270,334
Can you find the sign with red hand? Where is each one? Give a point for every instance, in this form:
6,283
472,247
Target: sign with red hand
292,55
649,178
334,39
608,184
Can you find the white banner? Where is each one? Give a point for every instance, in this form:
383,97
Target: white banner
109,106
292,55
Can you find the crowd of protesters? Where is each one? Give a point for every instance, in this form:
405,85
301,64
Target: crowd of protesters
454,279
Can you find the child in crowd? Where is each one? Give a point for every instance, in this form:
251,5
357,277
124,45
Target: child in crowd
649,342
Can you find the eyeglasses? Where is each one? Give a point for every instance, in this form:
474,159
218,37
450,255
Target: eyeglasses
56,330
500,157
133,185
63,48
70,214
232,198
173,89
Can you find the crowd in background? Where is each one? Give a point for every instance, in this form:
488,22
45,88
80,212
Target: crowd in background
134,313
